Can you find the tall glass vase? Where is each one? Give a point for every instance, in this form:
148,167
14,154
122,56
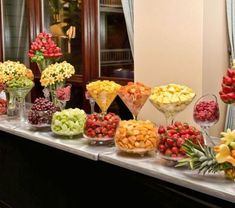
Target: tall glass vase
16,102
11,103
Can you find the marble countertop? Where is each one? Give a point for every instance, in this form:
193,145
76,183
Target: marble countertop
77,145
214,184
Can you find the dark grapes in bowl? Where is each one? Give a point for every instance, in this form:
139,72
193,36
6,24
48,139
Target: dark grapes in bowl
40,114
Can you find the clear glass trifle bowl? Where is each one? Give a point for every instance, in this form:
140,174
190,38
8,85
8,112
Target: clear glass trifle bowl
206,114
136,137
171,99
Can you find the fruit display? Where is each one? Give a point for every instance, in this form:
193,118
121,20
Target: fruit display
171,99
206,114
41,112
136,136
44,49
227,93
206,110
134,95
173,136
104,92
3,106
101,127
68,122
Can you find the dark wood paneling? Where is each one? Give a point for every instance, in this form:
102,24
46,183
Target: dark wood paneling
90,46
35,25
2,29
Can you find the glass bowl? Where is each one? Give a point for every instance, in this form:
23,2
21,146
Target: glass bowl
136,136
170,161
134,95
206,114
101,128
171,99
103,92
40,119
68,122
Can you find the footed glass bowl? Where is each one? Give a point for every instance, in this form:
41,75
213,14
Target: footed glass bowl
171,109
136,136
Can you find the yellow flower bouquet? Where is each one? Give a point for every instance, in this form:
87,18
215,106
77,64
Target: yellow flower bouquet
53,78
12,69
17,81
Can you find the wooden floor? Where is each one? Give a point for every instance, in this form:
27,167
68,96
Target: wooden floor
36,176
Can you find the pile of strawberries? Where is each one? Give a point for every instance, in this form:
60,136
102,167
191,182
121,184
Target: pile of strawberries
98,126
227,94
44,47
173,136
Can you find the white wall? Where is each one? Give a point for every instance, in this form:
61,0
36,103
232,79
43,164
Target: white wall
171,47
215,56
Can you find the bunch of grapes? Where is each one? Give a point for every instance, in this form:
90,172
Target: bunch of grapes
44,47
41,112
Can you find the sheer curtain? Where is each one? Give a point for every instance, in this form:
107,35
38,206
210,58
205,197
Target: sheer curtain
15,29
128,8
230,10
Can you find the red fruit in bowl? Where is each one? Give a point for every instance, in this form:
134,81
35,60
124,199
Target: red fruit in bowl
180,141
174,136
168,152
161,130
162,148
170,142
101,126
175,150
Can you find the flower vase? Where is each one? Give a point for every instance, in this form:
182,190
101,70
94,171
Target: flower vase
16,102
11,103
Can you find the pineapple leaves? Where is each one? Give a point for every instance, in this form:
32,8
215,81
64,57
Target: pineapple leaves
201,158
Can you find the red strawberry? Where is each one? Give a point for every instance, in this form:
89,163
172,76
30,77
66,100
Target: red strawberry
231,72
227,80
227,89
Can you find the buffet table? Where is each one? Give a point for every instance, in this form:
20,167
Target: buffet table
214,185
